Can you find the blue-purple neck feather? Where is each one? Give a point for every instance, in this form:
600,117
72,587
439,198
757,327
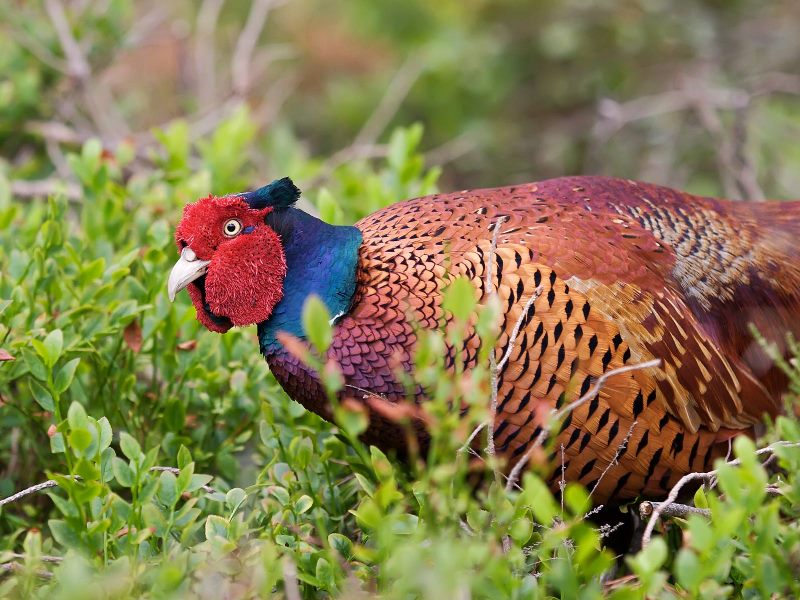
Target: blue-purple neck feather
321,259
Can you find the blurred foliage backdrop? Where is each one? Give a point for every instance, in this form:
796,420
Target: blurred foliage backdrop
115,113
689,94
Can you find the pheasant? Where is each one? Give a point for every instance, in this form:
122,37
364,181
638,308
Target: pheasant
613,273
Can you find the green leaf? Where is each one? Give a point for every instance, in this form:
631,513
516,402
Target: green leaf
234,498
167,489
129,446
303,504
688,569
352,418
280,494
197,481
42,396
106,468
87,470
324,574
122,472
65,375
105,433
79,440
301,449
184,456
184,477
577,499
52,347
539,499
64,534
76,416
341,544
57,443
216,526
34,363
700,499
368,514
650,559
316,323
521,530
329,210
154,518
459,298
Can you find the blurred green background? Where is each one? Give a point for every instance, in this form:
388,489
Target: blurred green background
701,95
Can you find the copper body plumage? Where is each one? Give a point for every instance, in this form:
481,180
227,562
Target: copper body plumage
627,272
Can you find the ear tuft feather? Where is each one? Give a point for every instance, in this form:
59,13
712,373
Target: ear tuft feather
281,193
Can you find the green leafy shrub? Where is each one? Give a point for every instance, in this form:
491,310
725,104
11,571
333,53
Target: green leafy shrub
175,464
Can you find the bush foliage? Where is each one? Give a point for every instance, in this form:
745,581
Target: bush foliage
182,469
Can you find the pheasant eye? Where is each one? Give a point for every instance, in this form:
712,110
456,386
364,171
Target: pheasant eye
232,227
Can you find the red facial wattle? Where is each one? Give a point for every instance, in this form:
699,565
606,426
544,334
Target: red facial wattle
243,279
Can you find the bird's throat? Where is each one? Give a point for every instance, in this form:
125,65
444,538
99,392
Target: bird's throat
321,259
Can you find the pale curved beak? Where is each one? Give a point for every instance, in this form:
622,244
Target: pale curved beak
186,270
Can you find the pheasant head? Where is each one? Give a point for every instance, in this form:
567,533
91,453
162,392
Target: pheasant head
232,263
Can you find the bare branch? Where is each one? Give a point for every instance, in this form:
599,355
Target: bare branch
396,93
77,64
274,99
144,26
724,152
491,293
746,174
28,491
14,567
660,508
43,188
515,332
204,51
50,483
37,49
600,382
613,461
671,510
290,585
43,558
452,149
243,53
468,444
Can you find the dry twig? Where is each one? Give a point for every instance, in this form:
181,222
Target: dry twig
290,585
14,567
556,417
77,65
660,508
613,461
205,51
42,188
243,53
395,94
51,483
491,294
671,510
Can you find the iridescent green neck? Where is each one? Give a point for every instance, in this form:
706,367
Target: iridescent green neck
321,259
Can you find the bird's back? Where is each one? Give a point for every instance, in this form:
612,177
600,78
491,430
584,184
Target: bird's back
622,272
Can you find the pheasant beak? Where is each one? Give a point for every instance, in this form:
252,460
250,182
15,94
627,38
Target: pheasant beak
186,270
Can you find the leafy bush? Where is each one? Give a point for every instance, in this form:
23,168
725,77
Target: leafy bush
175,465
181,466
